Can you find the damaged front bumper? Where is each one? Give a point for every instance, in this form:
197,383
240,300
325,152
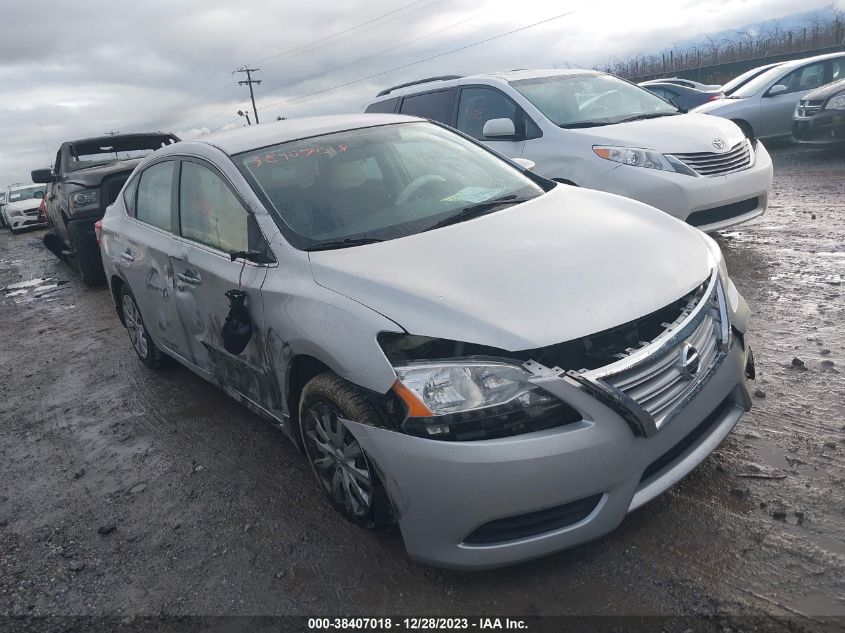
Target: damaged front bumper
482,504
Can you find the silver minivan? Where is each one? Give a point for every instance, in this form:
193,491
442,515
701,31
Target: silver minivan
502,365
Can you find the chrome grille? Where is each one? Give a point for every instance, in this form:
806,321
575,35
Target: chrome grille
653,379
807,107
717,164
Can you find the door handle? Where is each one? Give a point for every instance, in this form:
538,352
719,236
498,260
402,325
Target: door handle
127,255
190,277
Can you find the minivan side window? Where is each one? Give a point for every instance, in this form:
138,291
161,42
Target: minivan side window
211,214
388,106
153,204
430,105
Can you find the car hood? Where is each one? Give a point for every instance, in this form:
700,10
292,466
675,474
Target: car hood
717,107
828,90
93,176
683,133
24,205
564,265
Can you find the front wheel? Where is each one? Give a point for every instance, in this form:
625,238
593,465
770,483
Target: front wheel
341,466
143,345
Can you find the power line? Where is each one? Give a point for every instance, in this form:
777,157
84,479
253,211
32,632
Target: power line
420,61
381,52
333,35
248,82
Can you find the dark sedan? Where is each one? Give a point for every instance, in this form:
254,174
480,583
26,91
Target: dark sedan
682,97
820,116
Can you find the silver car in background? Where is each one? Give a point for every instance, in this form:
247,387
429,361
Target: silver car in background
763,106
502,365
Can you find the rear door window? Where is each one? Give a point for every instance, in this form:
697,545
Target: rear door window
154,202
431,105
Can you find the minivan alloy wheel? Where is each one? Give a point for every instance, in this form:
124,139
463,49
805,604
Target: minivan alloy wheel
337,459
135,326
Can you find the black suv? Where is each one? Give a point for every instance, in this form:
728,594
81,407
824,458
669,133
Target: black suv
87,177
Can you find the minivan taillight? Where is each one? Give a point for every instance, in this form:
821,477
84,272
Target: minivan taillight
98,229
716,97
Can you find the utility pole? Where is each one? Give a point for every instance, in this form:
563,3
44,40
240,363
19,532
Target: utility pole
248,82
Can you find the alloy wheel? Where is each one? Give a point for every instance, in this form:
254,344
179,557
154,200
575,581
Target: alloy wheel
135,326
337,459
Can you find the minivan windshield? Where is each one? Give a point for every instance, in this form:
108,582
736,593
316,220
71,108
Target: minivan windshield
379,183
757,84
591,99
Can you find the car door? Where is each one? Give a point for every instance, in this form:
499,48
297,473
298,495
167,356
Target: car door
479,104
214,223
776,109
143,252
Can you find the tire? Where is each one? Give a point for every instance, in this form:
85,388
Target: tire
53,243
143,345
14,231
87,259
348,478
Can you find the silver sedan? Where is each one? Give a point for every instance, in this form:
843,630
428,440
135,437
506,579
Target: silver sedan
502,365
763,106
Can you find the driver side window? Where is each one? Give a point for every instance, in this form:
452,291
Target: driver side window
211,214
806,78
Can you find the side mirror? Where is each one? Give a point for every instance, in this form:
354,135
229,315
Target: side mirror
529,165
38,194
43,176
776,90
495,128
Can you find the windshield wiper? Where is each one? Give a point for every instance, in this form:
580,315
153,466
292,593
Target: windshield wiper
478,209
650,115
344,243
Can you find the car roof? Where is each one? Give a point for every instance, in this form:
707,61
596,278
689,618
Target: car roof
792,63
29,186
244,139
496,77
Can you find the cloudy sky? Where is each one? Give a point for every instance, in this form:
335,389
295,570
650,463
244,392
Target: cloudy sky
77,69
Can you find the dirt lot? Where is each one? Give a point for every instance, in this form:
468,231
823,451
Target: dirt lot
127,492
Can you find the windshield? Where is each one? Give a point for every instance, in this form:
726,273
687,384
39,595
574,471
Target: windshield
87,154
378,183
27,193
730,87
758,83
591,99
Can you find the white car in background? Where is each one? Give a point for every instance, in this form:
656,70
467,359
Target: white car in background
21,208
590,129
764,106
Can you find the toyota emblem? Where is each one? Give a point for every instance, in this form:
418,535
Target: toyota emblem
719,143
690,360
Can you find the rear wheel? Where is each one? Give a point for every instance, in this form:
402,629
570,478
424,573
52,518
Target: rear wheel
143,345
342,468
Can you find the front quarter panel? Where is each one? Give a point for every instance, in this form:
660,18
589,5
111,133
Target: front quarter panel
303,318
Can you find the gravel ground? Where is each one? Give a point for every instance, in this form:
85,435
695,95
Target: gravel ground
125,492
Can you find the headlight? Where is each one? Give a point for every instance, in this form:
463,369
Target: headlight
85,198
470,400
836,102
16,214
638,157
633,156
